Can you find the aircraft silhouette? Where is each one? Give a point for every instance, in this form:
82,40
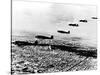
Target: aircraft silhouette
94,18
22,43
64,32
76,25
83,21
44,37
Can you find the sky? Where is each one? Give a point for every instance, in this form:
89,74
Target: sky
50,17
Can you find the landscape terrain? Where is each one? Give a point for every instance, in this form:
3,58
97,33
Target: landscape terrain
56,55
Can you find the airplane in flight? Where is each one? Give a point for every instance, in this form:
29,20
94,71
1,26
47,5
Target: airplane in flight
83,21
63,32
74,25
22,43
94,17
44,37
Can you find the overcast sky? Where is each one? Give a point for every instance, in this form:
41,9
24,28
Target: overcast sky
50,17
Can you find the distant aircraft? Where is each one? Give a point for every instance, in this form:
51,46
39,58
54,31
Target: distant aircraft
83,21
41,37
60,31
44,37
76,25
22,43
94,18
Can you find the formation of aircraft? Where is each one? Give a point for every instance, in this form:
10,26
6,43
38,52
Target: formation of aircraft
62,31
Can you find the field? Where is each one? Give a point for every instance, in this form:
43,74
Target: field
51,56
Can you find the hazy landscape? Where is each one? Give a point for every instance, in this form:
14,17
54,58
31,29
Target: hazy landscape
64,55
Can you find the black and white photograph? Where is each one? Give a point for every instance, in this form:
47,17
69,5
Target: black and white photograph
50,37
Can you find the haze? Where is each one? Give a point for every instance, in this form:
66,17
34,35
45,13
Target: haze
50,17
